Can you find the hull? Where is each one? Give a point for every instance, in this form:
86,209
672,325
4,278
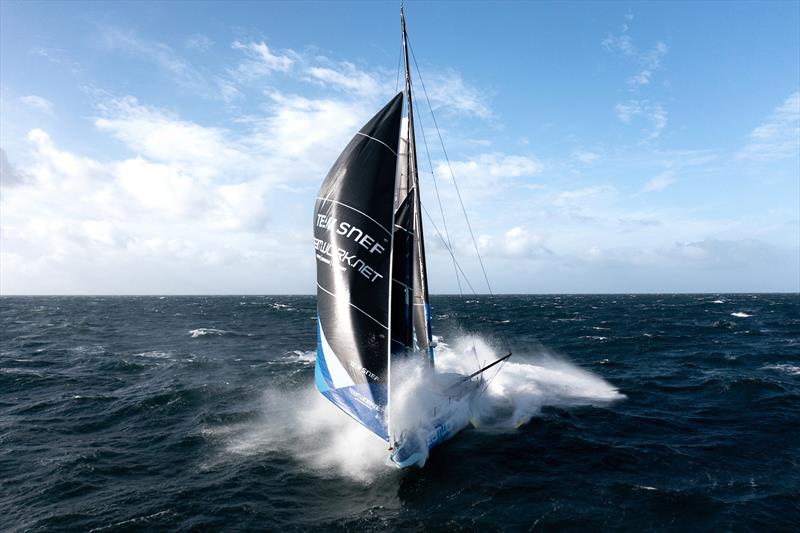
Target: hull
452,415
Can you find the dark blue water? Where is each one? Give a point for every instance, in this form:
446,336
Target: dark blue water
144,413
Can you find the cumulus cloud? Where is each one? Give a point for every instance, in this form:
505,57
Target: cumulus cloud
518,242
778,136
162,136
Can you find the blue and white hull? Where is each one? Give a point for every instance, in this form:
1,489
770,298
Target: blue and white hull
452,415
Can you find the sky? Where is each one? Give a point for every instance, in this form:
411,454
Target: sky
177,147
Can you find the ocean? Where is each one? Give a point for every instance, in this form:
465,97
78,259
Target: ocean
616,412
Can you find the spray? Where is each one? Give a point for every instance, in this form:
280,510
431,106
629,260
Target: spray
323,439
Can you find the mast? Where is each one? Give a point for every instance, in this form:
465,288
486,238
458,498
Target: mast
421,310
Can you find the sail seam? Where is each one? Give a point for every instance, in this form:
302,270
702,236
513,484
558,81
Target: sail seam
377,140
356,210
355,307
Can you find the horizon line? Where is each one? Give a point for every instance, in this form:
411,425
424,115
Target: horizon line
488,295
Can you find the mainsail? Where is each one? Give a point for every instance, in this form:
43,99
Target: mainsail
353,233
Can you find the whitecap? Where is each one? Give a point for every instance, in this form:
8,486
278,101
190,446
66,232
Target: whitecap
792,370
304,356
740,314
200,332
155,354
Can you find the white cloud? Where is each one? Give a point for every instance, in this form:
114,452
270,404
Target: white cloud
346,77
261,60
38,103
490,165
622,43
57,56
518,242
580,195
9,175
184,200
651,62
778,136
176,67
626,112
585,157
199,42
448,91
653,113
660,182
307,128
162,136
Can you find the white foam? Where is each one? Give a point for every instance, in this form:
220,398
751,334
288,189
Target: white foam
305,357
740,314
792,370
305,425
155,354
201,332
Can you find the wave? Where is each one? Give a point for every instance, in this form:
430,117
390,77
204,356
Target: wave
202,332
740,314
792,370
154,354
302,424
303,356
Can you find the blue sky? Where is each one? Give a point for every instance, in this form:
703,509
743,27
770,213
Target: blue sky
600,147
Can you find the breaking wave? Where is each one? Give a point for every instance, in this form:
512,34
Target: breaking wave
202,332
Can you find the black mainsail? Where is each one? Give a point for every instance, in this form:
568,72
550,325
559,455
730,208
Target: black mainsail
353,233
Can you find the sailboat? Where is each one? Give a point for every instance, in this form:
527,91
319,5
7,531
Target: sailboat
372,287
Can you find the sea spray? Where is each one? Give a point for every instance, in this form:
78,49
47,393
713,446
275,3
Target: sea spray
303,424
504,396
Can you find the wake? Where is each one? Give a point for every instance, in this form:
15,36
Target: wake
303,424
